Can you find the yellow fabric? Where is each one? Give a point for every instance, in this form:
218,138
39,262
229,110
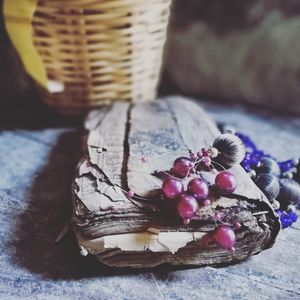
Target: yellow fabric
18,16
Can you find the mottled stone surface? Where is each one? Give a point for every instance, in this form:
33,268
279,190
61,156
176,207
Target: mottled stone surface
36,170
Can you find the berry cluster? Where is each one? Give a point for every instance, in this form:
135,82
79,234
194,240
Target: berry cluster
198,191
187,191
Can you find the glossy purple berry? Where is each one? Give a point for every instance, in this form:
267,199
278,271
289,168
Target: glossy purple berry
225,237
187,207
198,188
226,182
181,167
172,188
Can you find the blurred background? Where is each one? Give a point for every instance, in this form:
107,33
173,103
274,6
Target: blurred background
245,51
225,50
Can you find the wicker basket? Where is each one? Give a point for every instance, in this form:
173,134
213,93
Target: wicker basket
99,51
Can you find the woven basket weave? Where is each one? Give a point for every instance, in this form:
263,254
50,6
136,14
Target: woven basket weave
101,50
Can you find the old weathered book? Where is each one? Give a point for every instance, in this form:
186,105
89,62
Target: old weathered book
139,232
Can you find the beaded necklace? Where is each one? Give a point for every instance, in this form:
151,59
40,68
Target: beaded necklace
258,164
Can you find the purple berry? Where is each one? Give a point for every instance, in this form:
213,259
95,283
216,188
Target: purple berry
187,207
226,182
225,237
172,188
198,188
181,167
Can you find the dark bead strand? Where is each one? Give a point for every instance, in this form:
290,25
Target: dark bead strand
252,162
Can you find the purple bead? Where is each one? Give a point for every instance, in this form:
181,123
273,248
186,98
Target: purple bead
204,152
226,182
172,188
130,193
206,202
217,217
225,237
193,155
206,160
187,207
237,225
198,188
199,154
186,221
181,167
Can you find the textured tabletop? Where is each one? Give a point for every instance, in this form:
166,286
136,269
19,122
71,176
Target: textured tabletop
37,163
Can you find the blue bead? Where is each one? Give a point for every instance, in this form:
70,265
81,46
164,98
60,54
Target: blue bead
248,156
255,161
286,165
286,219
247,167
293,217
252,159
245,162
285,222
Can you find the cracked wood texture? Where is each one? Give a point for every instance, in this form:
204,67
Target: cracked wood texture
119,137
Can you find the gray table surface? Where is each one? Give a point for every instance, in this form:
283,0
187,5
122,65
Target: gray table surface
37,163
